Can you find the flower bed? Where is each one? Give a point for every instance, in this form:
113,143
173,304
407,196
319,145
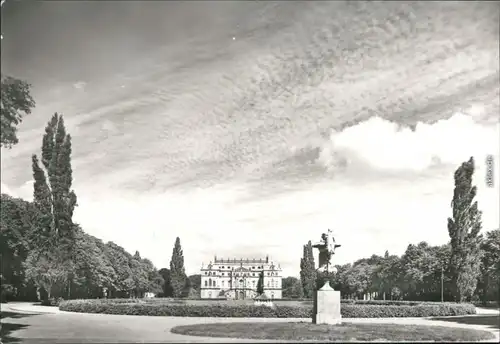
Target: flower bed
138,307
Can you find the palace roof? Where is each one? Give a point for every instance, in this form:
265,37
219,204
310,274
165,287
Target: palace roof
241,260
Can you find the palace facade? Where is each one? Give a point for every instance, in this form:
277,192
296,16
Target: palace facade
237,278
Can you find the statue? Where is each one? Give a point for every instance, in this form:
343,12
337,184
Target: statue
326,304
326,251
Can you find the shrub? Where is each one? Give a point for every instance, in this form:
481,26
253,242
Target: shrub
54,302
7,290
251,311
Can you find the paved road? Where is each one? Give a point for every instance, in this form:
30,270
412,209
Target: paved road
38,324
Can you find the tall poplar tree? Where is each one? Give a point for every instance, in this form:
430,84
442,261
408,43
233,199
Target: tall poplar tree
463,228
177,272
54,198
308,271
52,192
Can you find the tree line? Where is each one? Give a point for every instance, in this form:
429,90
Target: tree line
415,275
33,268
466,268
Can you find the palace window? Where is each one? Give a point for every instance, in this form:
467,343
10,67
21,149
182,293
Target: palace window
206,273
210,282
206,283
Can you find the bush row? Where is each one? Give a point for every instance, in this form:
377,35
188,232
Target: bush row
277,301
53,302
388,302
251,311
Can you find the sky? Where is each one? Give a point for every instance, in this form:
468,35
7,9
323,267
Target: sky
249,128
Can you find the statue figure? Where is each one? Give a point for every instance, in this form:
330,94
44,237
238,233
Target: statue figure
326,249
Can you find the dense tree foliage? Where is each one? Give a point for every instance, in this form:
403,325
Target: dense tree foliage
464,228
418,274
308,271
167,286
97,265
17,220
489,280
292,288
16,102
194,285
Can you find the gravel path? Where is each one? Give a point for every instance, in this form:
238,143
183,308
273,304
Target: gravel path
33,323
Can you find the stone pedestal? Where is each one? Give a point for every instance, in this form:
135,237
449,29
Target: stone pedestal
327,306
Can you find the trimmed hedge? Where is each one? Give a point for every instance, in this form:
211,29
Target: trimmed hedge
276,301
52,302
250,311
391,302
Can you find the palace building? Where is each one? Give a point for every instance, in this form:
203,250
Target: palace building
238,278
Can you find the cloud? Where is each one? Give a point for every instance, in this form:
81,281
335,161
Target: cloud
386,146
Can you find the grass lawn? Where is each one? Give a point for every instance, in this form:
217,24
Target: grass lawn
488,320
346,332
